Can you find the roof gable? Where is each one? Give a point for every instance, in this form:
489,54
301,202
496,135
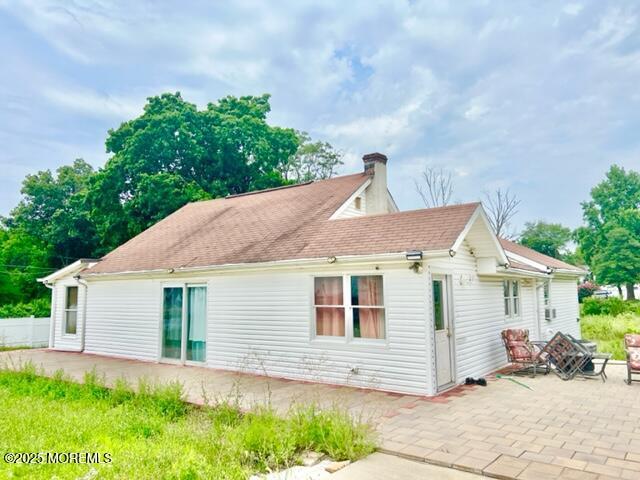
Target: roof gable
521,255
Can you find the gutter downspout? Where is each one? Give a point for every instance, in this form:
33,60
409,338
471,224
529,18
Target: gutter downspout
52,315
84,310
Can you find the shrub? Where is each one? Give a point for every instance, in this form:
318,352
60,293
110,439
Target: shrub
586,289
40,307
605,306
608,331
332,431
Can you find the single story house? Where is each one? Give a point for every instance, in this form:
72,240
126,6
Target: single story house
324,281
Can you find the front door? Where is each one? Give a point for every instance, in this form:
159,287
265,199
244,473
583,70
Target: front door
443,332
184,323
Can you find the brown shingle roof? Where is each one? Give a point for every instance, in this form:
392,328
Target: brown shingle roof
282,224
536,256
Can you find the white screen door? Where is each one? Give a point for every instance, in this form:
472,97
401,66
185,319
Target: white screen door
443,333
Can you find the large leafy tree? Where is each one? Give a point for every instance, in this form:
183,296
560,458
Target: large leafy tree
312,161
174,153
613,214
618,260
53,209
548,238
23,259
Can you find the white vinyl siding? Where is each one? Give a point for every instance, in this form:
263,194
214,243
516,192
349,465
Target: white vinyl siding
564,300
478,315
352,211
262,323
123,318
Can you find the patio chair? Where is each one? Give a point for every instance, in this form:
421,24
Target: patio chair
521,351
572,358
632,347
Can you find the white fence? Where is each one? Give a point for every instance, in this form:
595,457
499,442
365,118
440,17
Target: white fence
28,332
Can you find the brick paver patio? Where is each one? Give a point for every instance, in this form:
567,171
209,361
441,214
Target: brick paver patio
582,429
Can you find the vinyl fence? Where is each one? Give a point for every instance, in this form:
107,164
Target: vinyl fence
28,332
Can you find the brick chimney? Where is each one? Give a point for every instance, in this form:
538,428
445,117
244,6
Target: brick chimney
375,165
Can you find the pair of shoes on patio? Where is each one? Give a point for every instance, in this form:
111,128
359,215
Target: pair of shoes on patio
473,381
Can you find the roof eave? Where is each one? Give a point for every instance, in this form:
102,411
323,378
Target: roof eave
351,260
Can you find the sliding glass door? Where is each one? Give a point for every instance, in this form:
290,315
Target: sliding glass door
184,323
172,323
196,323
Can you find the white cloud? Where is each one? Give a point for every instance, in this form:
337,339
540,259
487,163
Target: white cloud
573,9
93,104
501,95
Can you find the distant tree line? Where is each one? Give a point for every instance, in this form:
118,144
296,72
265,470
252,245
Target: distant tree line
172,154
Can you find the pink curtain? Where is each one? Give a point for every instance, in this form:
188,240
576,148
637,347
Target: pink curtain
329,320
371,319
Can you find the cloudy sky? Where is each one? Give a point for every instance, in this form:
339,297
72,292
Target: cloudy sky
537,97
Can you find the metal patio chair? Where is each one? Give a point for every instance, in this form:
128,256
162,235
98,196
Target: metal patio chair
524,352
571,357
632,348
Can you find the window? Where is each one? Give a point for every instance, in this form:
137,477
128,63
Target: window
329,304
357,312
546,292
71,311
367,306
549,313
438,305
511,293
358,203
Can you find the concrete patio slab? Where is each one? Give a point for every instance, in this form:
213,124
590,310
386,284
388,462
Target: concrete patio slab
581,429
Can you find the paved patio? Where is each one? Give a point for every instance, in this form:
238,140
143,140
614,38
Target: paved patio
582,429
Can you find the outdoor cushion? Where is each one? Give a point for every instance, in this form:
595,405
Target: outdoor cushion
632,340
634,358
632,345
519,351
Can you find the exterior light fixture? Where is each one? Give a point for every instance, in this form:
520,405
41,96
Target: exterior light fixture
331,259
452,253
414,255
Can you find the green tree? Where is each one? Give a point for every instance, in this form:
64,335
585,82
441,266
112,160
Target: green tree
23,259
174,153
312,161
618,261
548,238
53,209
614,206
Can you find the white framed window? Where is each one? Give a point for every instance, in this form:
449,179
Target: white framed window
546,291
71,311
511,295
549,311
349,307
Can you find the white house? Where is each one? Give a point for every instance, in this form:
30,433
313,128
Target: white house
324,281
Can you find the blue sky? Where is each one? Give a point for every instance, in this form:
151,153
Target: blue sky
537,97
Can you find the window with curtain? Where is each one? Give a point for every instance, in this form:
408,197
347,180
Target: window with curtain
511,294
71,311
368,307
329,306
362,309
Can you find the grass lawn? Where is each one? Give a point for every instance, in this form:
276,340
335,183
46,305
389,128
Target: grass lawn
6,349
608,331
153,434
